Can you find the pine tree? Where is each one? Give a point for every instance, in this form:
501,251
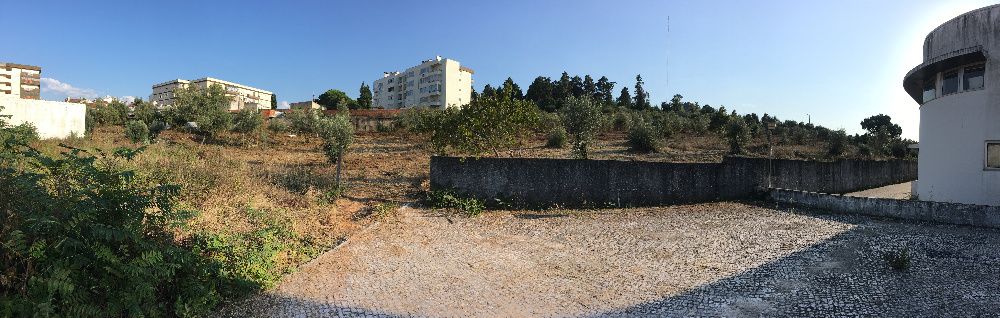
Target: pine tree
541,92
365,97
641,97
274,101
488,92
605,90
576,85
589,87
509,87
625,99
564,88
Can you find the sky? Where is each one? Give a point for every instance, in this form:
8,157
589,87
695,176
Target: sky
831,62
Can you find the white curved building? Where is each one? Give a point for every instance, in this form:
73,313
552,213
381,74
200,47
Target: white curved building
958,88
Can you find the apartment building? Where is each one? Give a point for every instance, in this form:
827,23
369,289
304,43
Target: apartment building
437,82
305,105
242,96
21,81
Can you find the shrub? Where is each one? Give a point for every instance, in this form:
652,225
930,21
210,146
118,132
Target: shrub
491,124
106,114
247,120
278,125
738,135
556,138
641,138
137,132
445,199
83,238
838,143
145,112
208,108
898,260
582,119
303,121
622,121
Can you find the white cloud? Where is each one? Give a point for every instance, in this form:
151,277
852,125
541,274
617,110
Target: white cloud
54,86
284,105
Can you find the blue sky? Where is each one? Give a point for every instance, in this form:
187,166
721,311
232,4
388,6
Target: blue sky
838,61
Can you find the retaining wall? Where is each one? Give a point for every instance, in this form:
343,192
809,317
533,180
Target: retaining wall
571,182
952,213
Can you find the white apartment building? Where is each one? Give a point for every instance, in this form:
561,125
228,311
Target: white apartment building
242,96
437,82
19,80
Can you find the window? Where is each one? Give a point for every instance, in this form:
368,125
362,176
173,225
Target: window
973,78
993,155
930,89
949,84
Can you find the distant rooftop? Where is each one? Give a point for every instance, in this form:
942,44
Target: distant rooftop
21,66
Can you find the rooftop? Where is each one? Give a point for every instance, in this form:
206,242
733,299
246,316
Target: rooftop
21,66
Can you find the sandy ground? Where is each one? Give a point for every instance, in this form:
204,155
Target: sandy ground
895,191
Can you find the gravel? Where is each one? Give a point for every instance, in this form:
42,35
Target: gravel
717,259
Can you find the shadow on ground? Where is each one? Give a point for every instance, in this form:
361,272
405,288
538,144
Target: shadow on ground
953,271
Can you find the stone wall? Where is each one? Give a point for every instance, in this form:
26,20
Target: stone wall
570,182
942,212
51,119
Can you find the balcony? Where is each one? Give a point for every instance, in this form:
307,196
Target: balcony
31,75
30,81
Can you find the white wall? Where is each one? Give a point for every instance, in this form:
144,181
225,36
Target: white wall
52,119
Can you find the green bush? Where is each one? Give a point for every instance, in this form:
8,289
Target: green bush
738,135
337,133
278,125
247,120
838,143
556,138
137,132
641,138
303,121
445,199
582,118
82,238
208,108
487,125
107,114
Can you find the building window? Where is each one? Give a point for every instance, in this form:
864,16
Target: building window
949,83
930,88
993,155
973,77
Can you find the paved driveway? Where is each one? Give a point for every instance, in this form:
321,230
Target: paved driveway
719,259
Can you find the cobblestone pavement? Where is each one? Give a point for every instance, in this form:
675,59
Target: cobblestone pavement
893,191
719,259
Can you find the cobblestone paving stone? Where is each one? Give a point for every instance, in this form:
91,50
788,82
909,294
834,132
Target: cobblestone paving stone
718,259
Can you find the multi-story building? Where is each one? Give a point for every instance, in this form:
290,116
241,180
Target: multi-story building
242,96
304,105
437,82
19,80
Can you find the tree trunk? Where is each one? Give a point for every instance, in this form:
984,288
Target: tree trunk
340,161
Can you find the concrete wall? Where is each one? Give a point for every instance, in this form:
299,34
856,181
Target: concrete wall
943,212
52,119
569,182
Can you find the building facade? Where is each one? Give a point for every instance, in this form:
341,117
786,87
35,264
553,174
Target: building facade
21,81
304,105
242,96
958,88
437,82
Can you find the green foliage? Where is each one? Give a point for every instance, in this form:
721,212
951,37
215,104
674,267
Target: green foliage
898,260
738,135
145,112
641,96
208,108
641,138
337,134
838,143
624,99
137,132
247,120
385,210
335,99
445,199
83,238
303,121
364,97
278,125
14,139
556,138
582,119
488,124
108,114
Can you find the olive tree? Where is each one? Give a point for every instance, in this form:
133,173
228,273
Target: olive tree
338,135
207,108
583,119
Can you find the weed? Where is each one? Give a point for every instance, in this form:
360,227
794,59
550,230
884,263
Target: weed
557,138
385,210
898,260
446,199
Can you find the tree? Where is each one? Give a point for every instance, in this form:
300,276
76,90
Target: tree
365,97
582,118
493,124
474,95
625,99
541,91
334,99
488,92
274,101
738,135
881,132
207,108
605,90
564,87
576,87
589,87
137,132
641,97
675,102
509,87
338,135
